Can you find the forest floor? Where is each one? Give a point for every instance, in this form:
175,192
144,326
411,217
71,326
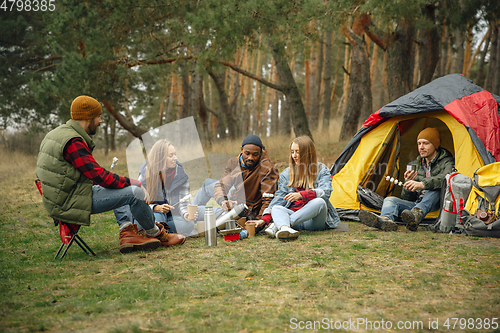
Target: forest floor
359,280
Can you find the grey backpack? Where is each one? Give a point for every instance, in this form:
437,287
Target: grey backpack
457,189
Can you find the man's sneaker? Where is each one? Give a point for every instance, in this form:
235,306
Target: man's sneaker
380,222
271,230
412,218
287,233
130,240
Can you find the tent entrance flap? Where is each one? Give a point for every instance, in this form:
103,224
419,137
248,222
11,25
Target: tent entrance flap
384,163
397,150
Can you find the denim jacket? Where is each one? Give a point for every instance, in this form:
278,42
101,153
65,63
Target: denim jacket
322,182
177,190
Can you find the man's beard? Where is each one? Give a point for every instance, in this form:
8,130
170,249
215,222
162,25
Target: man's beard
93,128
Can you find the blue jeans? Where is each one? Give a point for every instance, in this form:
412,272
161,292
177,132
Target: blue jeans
205,193
310,217
177,224
393,206
105,199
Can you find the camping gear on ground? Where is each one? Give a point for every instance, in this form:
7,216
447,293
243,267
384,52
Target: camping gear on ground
231,232
475,227
487,217
210,229
465,115
457,189
68,233
369,198
483,203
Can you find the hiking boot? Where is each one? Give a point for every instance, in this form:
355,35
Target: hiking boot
142,232
286,233
130,240
380,222
168,239
271,230
412,218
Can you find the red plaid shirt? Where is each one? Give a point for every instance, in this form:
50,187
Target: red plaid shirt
306,197
77,153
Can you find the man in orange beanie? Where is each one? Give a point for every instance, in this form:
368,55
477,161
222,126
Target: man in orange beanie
75,186
422,187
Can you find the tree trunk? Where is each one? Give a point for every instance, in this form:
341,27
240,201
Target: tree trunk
459,42
383,90
112,135
291,91
275,109
399,60
124,122
490,74
496,76
316,91
186,90
359,100
443,50
479,77
347,69
224,108
171,98
467,52
285,125
233,104
327,101
106,136
428,47
197,105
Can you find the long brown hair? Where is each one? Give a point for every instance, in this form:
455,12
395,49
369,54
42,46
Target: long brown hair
156,169
304,173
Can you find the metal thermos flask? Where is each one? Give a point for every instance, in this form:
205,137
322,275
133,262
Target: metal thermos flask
448,218
210,229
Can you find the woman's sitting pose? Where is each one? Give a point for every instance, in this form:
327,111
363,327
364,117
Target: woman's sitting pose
302,199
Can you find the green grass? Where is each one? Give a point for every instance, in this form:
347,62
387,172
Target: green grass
253,285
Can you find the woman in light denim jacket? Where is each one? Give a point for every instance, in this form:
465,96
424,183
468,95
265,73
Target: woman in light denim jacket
302,199
166,184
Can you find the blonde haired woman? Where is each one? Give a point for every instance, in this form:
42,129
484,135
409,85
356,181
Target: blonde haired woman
166,183
302,199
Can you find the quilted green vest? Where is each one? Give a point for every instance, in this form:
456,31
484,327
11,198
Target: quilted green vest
67,193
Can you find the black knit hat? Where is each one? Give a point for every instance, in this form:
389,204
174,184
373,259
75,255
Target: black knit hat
252,139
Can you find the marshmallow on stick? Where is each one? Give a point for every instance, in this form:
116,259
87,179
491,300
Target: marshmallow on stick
395,181
115,159
184,199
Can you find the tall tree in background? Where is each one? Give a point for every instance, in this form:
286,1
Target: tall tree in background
359,97
428,45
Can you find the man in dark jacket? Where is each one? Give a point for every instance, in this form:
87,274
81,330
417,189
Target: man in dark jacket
248,176
422,187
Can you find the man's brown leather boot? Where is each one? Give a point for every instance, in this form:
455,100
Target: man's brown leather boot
130,240
168,239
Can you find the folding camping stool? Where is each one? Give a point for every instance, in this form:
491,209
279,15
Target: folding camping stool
68,233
